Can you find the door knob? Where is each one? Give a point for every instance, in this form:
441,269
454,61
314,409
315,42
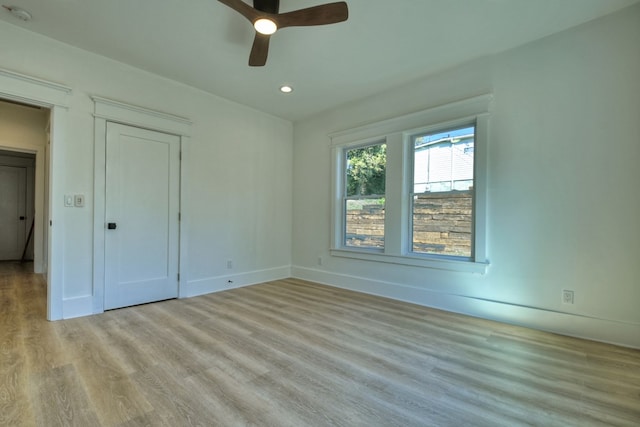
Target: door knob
112,225
21,218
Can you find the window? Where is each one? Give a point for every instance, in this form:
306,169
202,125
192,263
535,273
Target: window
442,192
365,174
412,190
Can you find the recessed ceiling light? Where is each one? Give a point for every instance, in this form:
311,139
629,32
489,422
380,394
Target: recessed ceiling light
286,89
19,13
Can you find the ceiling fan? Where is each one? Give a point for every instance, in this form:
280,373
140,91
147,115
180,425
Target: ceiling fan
266,20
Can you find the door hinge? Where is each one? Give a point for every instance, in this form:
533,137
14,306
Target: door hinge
179,216
180,155
178,277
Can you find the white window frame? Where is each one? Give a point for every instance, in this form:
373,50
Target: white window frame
397,133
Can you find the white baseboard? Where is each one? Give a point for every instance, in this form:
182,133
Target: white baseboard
83,306
580,326
231,281
77,307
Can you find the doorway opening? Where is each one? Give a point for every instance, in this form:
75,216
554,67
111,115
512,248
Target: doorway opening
24,177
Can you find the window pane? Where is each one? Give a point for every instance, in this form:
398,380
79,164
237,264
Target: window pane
366,168
364,201
443,161
364,222
442,223
442,203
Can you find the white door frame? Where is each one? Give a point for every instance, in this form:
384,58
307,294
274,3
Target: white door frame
107,110
54,96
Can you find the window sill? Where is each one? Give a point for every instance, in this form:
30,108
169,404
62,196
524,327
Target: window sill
415,261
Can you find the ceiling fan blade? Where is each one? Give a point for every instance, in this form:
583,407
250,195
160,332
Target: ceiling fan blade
259,51
329,13
242,8
269,6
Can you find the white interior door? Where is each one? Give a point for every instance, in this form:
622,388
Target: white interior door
142,205
13,191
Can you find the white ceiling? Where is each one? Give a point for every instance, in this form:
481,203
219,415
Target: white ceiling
383,44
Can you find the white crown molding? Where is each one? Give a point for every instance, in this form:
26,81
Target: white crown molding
116,111
27,89
457,110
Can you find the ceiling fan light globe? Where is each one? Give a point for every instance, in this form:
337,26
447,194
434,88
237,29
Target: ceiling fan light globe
265,26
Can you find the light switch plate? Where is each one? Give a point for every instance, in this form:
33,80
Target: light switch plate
78,200
68,200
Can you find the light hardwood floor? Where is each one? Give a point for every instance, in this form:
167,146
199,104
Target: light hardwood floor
293,353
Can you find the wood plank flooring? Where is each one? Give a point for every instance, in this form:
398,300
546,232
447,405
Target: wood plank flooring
294,353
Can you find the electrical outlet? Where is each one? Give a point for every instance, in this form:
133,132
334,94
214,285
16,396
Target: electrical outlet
320,260
567,296
229,264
